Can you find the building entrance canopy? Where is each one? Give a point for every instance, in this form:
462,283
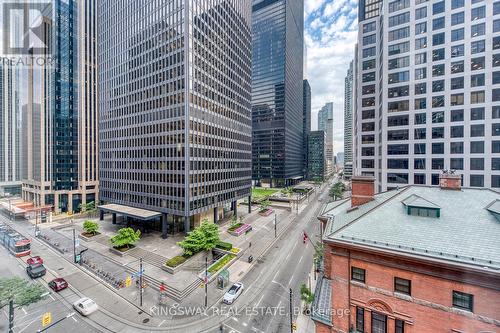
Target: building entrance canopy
136,213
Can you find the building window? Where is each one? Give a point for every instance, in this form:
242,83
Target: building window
457,115
477,30
477,63
402,286
457,131
477,80
495,181
463,300
477,147
419,178
477,46
457,4
419,148
457,163
477,97
420,133
456,147
495,112
379,323
357,274
360,319
438,132
457,18
419,163
476,180
477,130
400,326
457,51
477,163
437,164
495,164
495,95
457,83
476,113
456,99
457,67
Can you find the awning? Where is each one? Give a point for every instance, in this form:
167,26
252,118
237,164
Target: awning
138,213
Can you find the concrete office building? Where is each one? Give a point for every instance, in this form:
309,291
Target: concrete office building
60,116
348,110
317,156
10,131
277,92
325,123
175,112
306,129
428,92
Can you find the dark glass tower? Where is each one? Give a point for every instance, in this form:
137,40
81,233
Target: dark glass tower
306,123
175,112
277,91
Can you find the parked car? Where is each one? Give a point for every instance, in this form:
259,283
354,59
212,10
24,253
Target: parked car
233,293
85,306
36,271
58,284
35,261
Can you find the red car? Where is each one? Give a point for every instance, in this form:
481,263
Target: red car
34,261
58,284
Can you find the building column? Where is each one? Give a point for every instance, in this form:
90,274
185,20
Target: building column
249,204
114,218
164,226
101,215
187,227
216,217
235,208
56,203
70,203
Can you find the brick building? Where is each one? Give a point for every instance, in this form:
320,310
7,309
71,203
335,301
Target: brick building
412,260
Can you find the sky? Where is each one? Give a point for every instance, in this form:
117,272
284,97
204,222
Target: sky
330,36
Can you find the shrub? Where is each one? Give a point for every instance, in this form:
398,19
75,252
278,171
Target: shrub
176,261
90,227
221,263
125,237
205,237
234,227
224,246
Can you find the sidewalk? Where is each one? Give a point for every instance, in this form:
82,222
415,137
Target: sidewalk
304,322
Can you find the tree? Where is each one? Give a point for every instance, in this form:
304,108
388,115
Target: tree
89,206
306,295
264,205
337,190
125,237
234,219
20,292
90,227
205,237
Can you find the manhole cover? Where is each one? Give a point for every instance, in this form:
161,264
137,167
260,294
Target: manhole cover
145,320
140,312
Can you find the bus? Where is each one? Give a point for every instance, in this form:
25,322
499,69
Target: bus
13,241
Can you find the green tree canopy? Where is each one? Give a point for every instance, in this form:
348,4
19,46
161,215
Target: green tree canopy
337,190
125,237
21,291
205,237
90,227
306,295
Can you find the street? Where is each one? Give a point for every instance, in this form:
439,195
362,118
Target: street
263,306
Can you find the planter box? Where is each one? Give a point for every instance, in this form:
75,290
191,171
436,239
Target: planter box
118,252
266,213
88,238
241,230
212,276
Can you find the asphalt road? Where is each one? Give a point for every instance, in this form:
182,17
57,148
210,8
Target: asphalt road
29,318
265,303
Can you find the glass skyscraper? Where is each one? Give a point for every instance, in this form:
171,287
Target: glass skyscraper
175,112
277,91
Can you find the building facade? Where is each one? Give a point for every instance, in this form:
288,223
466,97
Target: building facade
59,110
317,156
325,123
10,131
428,95
175,111
411,280
277,91
306,122
348,110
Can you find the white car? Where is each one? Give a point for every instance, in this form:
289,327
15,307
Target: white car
85,306
233,293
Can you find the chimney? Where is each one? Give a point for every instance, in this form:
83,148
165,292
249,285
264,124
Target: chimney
448,180
363,189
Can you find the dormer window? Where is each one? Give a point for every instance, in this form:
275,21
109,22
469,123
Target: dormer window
418,206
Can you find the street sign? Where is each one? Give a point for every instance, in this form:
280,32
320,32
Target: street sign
46,319
202,285
128,281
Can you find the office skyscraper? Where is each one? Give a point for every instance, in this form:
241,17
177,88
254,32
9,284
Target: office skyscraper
10,130
317,156
55,120
348,109
175,112
277,91
428,92
306,129
325,123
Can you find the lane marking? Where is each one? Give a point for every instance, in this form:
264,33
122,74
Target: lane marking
161,322
276,274
245,324
24,311
302,256
73,317
235,319
290,282
260,300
